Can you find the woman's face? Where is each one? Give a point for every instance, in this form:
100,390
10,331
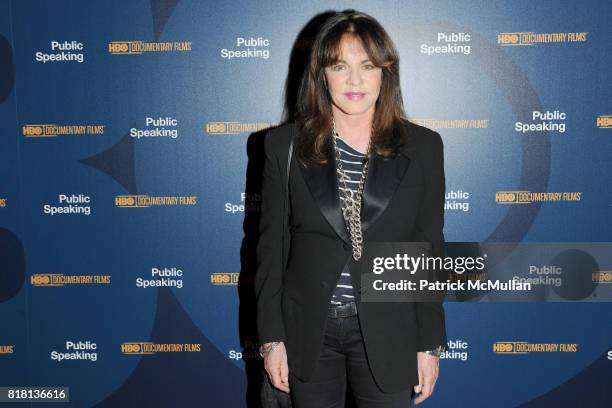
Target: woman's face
353,82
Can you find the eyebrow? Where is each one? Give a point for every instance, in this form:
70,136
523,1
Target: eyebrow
365,60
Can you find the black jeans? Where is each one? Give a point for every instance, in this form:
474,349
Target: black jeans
343,356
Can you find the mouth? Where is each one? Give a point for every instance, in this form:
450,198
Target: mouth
355,96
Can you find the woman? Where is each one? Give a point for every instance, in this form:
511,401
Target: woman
361,173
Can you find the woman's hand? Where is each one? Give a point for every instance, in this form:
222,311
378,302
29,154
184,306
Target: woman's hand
428,367
275,363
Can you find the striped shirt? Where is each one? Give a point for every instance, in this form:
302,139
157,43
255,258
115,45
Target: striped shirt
352,164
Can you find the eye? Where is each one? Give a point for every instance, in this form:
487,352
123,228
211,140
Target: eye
369,66
337,67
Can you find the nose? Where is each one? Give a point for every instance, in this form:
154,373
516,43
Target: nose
354,77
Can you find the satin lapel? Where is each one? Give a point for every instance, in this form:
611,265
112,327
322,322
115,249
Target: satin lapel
384,177
322,182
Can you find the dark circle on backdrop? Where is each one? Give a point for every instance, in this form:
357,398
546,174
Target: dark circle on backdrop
12,265
7,69
577,268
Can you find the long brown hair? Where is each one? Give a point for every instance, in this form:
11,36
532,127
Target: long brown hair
314,111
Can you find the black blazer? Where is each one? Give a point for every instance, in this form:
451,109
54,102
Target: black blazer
403,201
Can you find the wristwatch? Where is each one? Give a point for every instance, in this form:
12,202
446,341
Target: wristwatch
437,351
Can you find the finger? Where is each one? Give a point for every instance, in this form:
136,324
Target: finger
418,388
426,391
284,373
277,378
281,386
274,371
421,376
422,397
278,383
284,388
433,384
433,378
271,368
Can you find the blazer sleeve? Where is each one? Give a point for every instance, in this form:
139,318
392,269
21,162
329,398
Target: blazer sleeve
268,276
429,228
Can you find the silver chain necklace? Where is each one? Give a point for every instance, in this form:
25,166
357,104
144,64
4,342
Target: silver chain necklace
351,211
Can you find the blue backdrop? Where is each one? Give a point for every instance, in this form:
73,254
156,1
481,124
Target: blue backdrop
130,148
